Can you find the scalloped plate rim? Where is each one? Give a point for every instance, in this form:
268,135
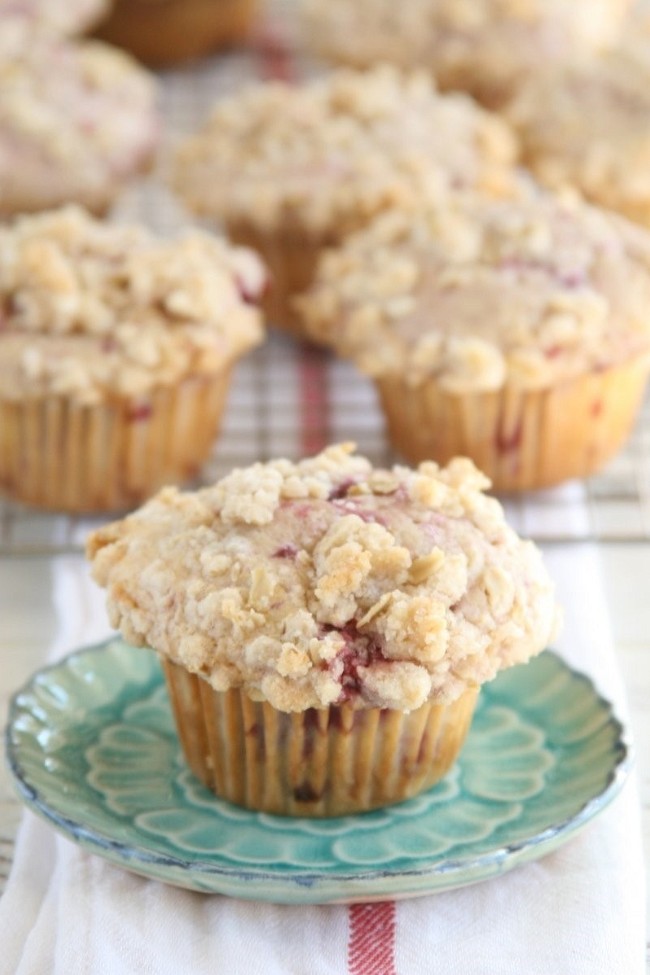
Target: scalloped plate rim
444,873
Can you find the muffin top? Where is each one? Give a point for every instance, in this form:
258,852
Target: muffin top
588,124
329,154
76,119
482,293
329,581
89,309
481,46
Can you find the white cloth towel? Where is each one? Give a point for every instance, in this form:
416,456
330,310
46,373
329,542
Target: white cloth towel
578,911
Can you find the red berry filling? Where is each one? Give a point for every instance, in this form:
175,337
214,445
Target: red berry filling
286,552
359,650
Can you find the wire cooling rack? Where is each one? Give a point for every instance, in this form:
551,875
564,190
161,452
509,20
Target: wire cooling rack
290,400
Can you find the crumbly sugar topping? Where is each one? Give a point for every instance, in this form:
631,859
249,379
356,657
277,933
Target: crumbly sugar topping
484,293
88,309
588,124
482,46
330,581
76,119
332,152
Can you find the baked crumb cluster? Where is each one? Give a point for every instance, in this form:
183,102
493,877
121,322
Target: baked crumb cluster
88,309
76,119
481,293
334,151
329,581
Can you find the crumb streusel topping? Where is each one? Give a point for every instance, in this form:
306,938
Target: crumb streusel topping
329,581
89,309
484,293
588,124
481,46
334,151
76,120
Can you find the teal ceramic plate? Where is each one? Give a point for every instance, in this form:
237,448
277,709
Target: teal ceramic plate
92,748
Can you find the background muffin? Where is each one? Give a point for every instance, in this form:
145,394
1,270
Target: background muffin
161,32
291,169
588,125
115,353
515,332
324,626
77,123
485,47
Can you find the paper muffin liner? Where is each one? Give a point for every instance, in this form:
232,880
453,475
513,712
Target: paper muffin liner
291,258
165,33
522,439
66,456
327,762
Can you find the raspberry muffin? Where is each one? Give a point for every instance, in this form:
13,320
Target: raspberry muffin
514,332
588,125
162,32
77,123
115,354
325,626
485,47
292,169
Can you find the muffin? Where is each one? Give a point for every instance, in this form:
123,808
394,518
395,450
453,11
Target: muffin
588,125
292,169
325,627
168,31
115,354
77,123
484,47
513,332
64,18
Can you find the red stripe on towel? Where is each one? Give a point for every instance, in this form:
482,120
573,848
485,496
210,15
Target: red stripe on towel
314,400
371,949
273,52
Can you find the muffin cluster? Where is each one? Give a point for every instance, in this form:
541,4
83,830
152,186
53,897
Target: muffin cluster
439,208
292,169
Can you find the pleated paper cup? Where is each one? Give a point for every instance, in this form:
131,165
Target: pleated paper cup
327,762
291,256
66,456
176,30
522,439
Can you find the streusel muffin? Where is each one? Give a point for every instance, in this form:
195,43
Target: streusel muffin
485,47
78,121
513,332
163,33
588,125
115,354
325,626
292,169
